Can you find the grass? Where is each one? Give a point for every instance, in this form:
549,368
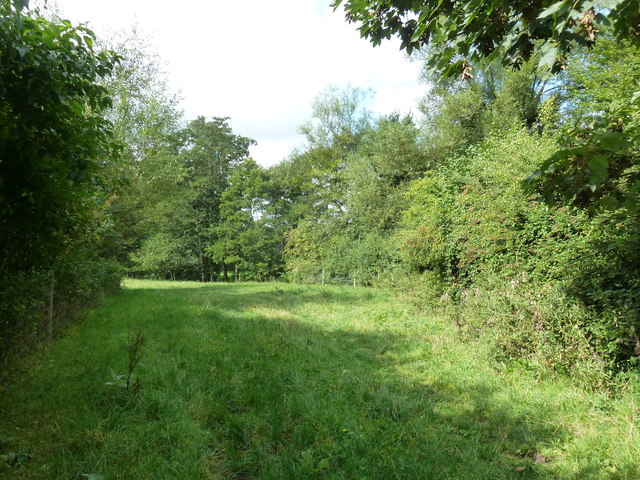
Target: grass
278,381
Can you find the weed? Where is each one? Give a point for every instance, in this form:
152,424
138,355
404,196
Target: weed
135,349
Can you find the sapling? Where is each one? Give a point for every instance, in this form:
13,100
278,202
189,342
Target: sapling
135,349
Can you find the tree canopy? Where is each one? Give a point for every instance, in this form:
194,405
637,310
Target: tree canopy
53,136
460,32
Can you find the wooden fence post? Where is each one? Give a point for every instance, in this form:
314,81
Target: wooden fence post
50,319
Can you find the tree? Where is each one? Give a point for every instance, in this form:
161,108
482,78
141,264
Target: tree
159,204
457,33
599,166
387,159
179,198
338,117
53,137
238,209
54,191
145,118
144,110
209,154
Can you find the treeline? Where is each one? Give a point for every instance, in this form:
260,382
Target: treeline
469,210
473,213
513,205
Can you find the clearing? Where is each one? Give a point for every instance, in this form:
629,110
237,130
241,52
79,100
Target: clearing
280,381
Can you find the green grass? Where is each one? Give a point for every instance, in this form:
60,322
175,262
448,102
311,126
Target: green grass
278,381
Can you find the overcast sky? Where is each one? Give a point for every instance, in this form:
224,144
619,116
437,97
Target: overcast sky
260,63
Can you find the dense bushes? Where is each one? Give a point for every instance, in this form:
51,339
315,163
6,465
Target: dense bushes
450,220
554,285
54,144
37,303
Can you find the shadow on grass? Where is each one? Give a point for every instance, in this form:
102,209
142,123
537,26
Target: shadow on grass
229,392
288,399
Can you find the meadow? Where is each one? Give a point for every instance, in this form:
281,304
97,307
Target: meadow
183,380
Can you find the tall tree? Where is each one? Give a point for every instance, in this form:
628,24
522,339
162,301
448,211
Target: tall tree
54,189
145,118
210,152
53,137
239,205
389,156
457,34
599,166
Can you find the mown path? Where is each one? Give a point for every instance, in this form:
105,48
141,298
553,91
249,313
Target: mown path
276,381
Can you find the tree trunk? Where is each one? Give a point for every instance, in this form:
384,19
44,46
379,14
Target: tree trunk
236,272
225,275
201,260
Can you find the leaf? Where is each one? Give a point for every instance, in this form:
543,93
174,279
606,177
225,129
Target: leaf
610,4
599,166
323,464
76,106
15,458
549,56
552,9
614,141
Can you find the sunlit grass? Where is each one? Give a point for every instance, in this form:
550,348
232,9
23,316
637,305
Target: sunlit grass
285,381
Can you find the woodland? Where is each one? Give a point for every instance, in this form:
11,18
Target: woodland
512,204
452,294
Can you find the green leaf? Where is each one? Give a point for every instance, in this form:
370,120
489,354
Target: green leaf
614,141
549,55
76,106
15,458
610,4
599,166
552,9
323,464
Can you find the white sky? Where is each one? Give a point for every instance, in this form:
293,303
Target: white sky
260,63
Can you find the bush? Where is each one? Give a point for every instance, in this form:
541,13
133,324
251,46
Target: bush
552,286
26,317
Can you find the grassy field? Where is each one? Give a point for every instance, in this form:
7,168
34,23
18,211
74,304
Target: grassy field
278,381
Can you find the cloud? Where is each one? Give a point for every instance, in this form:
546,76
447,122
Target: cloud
260,63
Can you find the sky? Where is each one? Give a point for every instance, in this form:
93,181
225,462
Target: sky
260,63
